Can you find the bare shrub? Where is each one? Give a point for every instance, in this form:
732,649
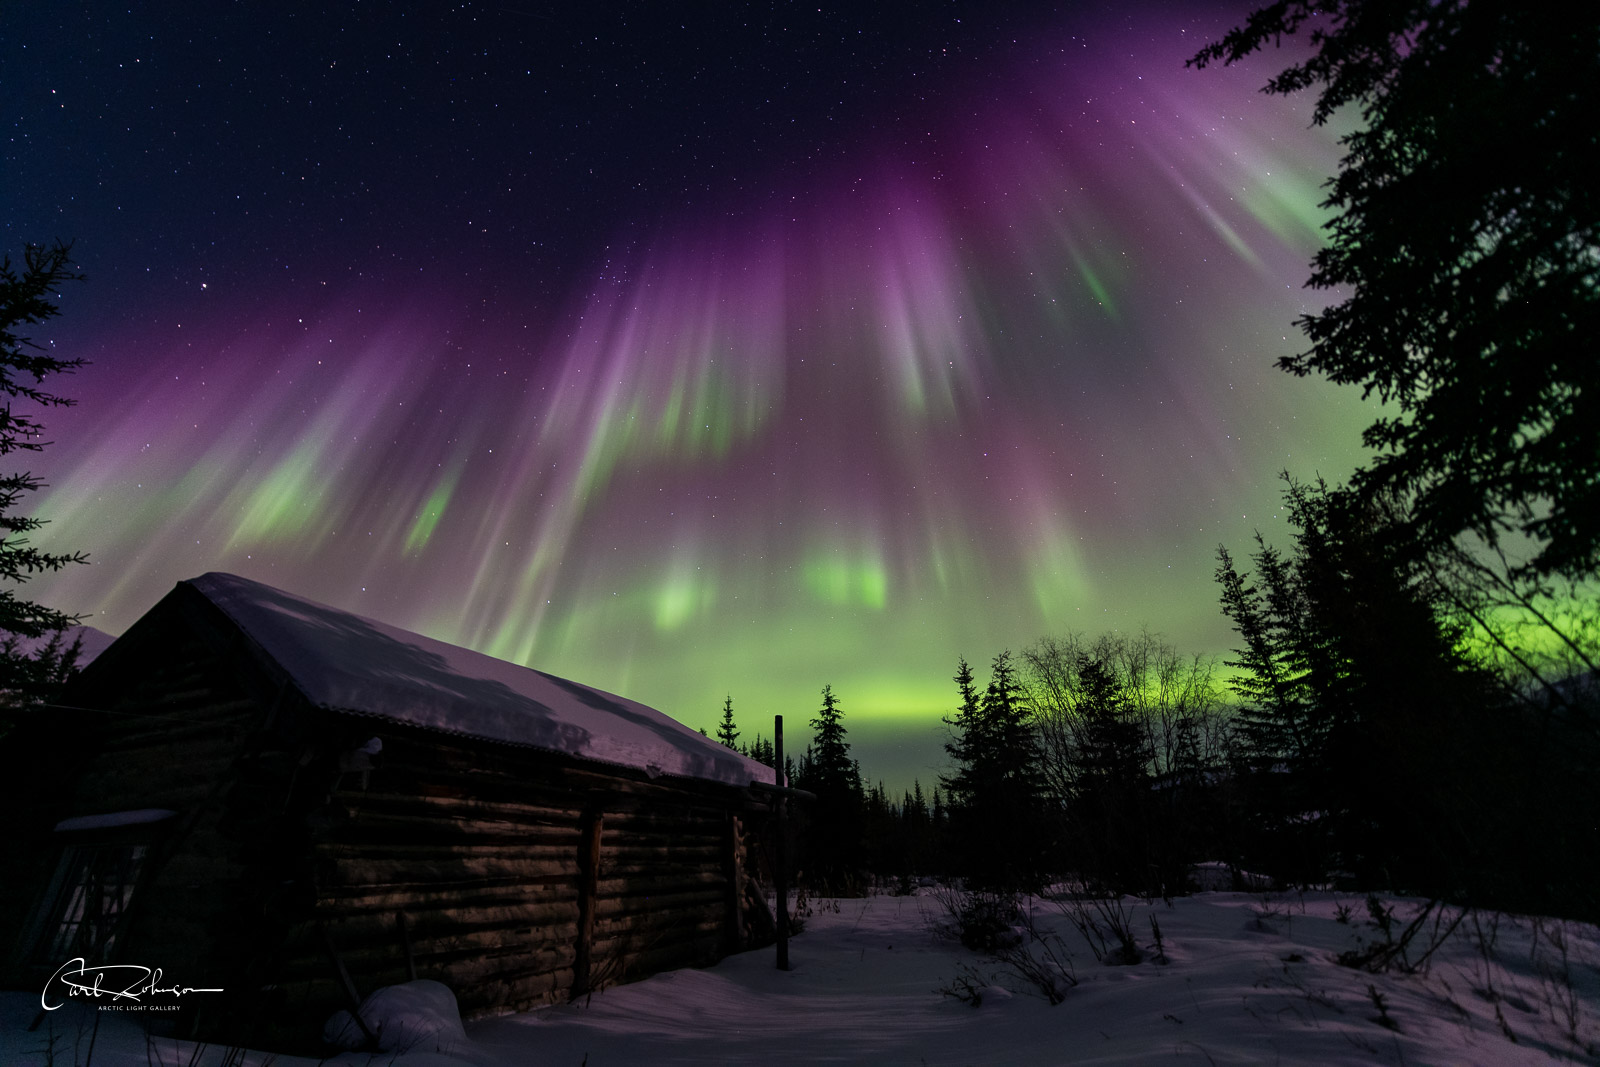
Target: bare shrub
995,925
1042,961
1418,941
1106,924
1551,955
967,986
984,921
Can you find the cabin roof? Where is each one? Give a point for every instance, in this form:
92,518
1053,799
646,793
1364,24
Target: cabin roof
359,666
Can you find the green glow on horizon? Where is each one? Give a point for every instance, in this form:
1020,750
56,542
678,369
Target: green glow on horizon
885,699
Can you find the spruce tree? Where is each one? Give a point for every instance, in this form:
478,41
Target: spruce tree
832,768
1362,697
967,739
1112,812
999,834
1274,722
1463,252
27,299
837,813
727,733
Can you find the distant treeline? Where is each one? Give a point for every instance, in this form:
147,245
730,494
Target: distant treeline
1425,726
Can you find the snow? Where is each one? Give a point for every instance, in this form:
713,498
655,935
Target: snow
419,1016
359,666
113,819
1250,979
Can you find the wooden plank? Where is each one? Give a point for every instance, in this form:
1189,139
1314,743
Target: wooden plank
425,898
424,921
455,869
588,889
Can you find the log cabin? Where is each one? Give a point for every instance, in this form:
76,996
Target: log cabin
294,805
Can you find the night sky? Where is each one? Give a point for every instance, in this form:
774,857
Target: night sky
686,353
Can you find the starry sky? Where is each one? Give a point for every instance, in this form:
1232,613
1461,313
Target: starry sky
687,351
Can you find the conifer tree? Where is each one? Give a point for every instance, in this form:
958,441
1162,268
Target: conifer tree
762,751
1362,696
832,768
998,829
834,777
1274,722
727,733
967,740
27,299
1463,250
1112,809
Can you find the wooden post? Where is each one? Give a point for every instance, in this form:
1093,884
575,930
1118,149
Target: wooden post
780,874
734,861
588,890
405,940
352,997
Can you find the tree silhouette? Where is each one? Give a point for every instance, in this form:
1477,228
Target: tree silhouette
836,816
27,299
1467,241
727,733
995,790
1398,759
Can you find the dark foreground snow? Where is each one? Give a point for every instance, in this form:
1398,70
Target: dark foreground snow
1249,980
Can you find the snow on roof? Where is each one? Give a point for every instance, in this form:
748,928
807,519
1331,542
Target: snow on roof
351,664
113,819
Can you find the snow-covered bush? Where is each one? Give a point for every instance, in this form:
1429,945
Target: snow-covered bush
418,1016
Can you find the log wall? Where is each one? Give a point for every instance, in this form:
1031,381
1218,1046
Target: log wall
166,737
523,878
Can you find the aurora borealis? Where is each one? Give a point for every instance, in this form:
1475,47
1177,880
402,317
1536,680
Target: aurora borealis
786,347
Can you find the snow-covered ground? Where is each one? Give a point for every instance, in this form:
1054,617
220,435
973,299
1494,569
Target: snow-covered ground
1249,979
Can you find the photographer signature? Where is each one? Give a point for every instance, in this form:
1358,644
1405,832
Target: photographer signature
119,981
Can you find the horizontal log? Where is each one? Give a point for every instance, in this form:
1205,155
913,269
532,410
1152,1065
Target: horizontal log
652,926
710,903
499,955
343,852
519,812
666,882
709,821
534,916
469,776
463,960
640,930
496,997
711,856
682,836
467,971
652,873
367,831
427,897
347,871
632,966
